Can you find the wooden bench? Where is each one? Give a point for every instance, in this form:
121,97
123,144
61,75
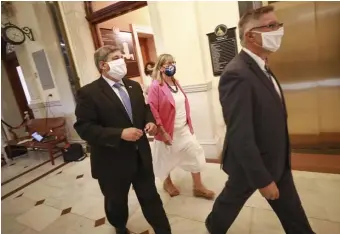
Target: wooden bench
53,128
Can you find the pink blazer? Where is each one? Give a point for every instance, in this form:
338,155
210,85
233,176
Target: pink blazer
162,105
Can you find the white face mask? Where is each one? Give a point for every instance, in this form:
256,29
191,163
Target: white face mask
272,40
117,69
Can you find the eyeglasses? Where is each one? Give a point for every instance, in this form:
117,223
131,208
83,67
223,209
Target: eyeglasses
273,26
169,64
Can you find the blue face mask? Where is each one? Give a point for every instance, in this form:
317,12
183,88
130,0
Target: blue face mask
170,71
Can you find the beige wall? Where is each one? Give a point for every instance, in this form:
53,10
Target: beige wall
80,39
224,13
97,5
139,17
187,41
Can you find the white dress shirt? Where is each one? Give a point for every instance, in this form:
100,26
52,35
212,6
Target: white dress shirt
261,63
112,83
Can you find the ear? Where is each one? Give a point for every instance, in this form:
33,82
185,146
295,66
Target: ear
104,66
101,64
249,35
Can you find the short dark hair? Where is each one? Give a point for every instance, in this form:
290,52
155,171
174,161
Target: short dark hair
252,14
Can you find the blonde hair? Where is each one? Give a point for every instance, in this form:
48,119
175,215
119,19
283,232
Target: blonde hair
162,59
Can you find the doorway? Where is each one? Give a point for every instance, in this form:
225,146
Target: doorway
135,33
147,47
17,84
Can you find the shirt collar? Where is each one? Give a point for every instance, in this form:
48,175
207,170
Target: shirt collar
111,82
260,62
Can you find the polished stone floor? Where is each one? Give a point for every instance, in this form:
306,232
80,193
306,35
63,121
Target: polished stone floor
69,201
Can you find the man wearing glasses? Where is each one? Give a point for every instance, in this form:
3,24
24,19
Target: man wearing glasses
256,153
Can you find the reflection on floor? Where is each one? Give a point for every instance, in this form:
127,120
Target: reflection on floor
69,201
26,169
22,164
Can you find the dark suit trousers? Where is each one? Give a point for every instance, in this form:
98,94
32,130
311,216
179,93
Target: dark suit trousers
236,192
116,198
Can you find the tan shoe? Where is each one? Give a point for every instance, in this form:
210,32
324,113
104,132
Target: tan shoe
204,193
170,189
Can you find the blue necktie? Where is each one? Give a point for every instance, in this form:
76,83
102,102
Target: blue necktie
125,98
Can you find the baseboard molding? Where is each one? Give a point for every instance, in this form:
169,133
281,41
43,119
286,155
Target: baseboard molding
322,140
316,163
308,162
213,160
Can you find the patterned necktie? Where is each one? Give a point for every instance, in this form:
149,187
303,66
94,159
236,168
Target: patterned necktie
269,75
267,71
125,98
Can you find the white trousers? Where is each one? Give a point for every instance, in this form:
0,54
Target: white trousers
185,152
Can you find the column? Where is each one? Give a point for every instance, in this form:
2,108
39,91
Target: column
80,39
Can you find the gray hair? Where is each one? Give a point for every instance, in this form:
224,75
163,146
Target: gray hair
102,53
250,20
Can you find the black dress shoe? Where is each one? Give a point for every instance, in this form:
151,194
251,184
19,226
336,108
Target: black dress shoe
122,231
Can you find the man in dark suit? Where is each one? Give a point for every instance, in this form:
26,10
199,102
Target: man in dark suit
256,153
112,117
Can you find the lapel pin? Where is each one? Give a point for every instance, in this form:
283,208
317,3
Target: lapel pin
130,87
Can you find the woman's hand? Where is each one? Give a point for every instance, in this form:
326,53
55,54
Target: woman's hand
166,138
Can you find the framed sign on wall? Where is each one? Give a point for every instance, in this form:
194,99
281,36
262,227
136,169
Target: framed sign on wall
223,47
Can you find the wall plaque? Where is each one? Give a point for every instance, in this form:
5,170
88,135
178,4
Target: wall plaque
223,47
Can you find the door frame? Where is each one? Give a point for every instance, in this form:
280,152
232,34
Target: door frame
106,13
16,85
135,30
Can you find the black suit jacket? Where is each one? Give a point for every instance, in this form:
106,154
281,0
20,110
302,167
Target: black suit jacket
101,118
257,141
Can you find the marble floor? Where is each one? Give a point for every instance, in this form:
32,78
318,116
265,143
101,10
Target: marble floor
24,169
69,201
27,162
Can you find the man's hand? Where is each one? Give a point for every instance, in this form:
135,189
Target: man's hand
131,134
151,129
270,192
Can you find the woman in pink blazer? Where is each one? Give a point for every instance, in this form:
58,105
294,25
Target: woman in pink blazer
175,144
